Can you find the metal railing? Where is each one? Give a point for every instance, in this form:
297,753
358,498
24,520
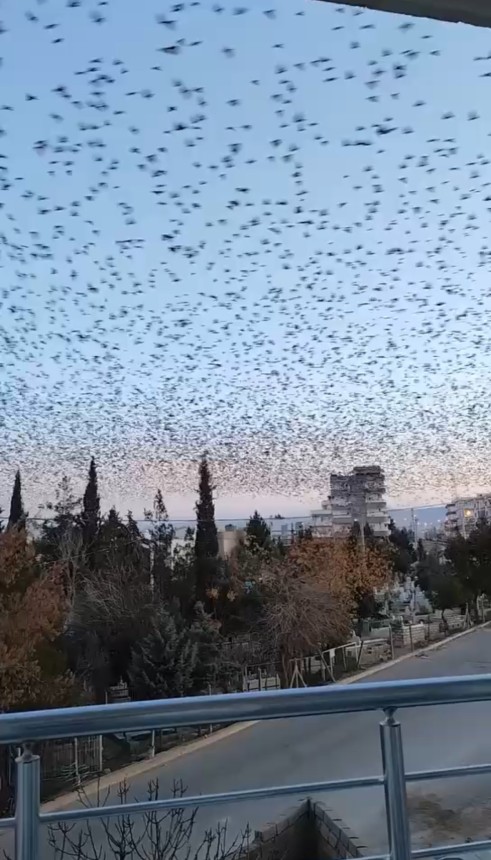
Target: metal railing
23,729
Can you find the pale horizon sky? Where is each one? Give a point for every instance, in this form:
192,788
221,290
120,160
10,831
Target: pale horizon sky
227,507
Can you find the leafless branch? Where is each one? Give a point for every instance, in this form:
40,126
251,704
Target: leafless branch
166,835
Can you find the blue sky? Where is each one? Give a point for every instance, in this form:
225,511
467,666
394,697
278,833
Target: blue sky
296,305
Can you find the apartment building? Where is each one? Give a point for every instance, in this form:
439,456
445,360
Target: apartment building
356,497
322,520
462,515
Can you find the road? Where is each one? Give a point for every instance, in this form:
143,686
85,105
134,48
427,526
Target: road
341,746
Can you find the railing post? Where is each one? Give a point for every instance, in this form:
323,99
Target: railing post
28,769
100,754
395,788
386,787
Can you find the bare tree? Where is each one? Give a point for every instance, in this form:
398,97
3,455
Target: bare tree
72,559
311,596
110,613
154,835
300,618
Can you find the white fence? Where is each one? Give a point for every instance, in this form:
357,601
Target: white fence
72,760
379,646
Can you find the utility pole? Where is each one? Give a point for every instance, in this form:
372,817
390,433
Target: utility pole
363,522
359,513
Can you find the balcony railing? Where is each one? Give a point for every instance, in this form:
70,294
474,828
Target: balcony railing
24,728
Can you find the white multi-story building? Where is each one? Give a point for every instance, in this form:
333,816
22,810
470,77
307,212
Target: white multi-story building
462,515
356,497
322,520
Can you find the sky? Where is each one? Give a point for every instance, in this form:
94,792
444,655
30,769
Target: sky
255,230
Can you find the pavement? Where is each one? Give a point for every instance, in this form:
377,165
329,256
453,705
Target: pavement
341,746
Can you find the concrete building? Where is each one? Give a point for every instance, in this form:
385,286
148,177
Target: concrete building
356,497
359,497
229,539
462,515
476,12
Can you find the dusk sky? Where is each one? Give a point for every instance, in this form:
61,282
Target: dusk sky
260,230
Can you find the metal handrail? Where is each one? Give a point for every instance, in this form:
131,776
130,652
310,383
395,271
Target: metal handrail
24,728
238,707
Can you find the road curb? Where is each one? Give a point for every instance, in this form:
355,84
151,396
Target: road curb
138,768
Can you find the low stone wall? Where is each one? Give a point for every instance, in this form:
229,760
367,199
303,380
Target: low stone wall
307,832
333,837
291,838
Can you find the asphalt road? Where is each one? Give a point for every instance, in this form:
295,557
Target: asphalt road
333,747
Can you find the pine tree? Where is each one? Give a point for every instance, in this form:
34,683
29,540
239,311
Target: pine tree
91,510
112,544
403,552
420,551
62,533
180,584
17,516
206,543
258,532
211,671
163,663
137,551
161,536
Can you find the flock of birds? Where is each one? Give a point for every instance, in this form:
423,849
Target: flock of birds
260,230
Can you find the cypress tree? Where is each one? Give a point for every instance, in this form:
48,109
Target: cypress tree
206,543
91,510
17,515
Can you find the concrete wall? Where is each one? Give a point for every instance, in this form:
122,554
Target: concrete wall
307,832
476,12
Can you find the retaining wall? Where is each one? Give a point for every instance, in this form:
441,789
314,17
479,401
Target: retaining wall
306,832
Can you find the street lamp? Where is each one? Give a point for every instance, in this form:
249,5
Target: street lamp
467,514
